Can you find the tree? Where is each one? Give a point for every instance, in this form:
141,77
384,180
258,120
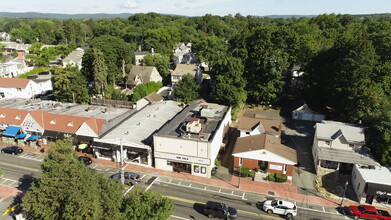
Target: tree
145,205
67,189
230,84
117,53
210,49
99,71
187,89
69,85
162,63
142,90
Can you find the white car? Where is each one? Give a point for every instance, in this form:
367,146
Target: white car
280,207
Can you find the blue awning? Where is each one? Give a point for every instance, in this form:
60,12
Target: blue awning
32,137
11,131
21,136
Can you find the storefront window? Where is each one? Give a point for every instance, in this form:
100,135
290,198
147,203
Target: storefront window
196,169
106,153
203,170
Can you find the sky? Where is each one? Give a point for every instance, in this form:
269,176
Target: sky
200,7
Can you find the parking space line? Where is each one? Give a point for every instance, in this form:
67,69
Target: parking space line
190,185
179,182
323,209
219,190
142,177
152,183
128,190
315,210
205,187
170,181
179,217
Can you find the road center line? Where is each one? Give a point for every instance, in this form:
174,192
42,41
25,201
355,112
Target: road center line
21,167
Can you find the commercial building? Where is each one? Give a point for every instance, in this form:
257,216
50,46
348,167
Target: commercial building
372,184
191,141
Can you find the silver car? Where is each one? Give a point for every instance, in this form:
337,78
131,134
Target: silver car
280,207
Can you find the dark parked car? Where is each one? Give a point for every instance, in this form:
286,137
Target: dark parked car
86,160
12,150
368,212
131,178
219,210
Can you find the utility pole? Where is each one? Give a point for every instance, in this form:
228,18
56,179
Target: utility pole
122,161
240,168
344,193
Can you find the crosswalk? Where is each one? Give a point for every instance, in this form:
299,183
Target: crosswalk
9,182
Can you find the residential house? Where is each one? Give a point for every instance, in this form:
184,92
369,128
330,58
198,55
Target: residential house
5,36
142,74
11,47
338,146
183,69
23,88
297,76
139,56
372,184
190,142
306,114
14,68
264,152
135,134
250,126
183,54
75,58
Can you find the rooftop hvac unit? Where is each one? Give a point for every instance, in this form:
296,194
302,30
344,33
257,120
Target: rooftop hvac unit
193,127
207,113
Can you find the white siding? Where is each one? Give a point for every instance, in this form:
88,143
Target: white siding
155,76
86,130
358,184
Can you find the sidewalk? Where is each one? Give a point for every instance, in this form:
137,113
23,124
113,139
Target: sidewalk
272,189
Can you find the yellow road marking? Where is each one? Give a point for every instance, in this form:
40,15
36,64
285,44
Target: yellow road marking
21,167
239,211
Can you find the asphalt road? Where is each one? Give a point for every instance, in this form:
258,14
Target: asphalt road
189,201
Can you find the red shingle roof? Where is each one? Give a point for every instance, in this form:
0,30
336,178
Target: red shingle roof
14,82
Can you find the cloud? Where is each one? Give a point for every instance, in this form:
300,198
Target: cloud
130,4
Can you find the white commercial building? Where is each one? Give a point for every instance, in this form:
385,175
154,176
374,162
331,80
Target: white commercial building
135,134
191,141
372,184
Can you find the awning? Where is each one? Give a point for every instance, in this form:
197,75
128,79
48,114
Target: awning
20,136
82,146
11,131
32,137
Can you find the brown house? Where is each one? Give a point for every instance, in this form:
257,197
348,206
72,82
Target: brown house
264,151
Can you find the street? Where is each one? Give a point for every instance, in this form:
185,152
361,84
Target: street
189,197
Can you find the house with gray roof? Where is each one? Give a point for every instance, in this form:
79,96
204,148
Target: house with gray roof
140,54
338,146
142,74
183,69
183,54
75,58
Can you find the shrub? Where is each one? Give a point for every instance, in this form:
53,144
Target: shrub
252,173
280,177
270,177
217,162
244,171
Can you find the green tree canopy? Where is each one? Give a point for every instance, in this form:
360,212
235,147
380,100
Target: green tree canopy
230,84
67,189
187,89
145,205
210,49
69,85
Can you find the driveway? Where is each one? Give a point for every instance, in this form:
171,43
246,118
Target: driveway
299,136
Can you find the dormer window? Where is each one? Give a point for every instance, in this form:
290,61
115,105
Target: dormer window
2,116
70,124
17,118
53,122
328,143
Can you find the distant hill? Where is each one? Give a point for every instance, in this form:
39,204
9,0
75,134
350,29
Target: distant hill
126,15
60,16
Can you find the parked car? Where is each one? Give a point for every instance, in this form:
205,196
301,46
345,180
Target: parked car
86,160
219,210
368,212
12,150
280,207
131,178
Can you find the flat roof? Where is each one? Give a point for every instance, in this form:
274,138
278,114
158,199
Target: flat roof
61,108
141,126
377,175
176,128
347,156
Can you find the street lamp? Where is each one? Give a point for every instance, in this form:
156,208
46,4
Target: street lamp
344,193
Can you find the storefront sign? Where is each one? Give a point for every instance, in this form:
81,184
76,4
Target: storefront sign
382,193
182,158
275,167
